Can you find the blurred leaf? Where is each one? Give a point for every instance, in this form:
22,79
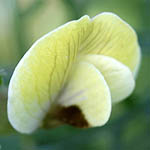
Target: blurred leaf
33,8
2,73
0,80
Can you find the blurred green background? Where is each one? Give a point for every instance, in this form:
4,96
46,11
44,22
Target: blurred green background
24,21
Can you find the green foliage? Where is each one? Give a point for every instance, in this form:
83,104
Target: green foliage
0,80
2,74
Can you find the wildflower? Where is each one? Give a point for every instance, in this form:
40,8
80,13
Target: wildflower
74,74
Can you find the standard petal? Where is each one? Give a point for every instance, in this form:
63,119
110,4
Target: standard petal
111,36
41,73
88,91
118,76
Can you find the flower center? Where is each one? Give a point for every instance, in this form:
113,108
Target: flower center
65,115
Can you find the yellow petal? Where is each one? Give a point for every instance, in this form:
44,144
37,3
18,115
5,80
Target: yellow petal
111,36
88,90
19,116
41,73
118,76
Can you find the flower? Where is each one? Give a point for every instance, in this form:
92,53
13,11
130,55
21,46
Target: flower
74,74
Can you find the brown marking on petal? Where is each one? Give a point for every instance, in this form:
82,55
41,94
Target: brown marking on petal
65,115
72,115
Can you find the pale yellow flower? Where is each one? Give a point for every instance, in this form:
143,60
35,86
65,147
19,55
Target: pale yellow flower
74,74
